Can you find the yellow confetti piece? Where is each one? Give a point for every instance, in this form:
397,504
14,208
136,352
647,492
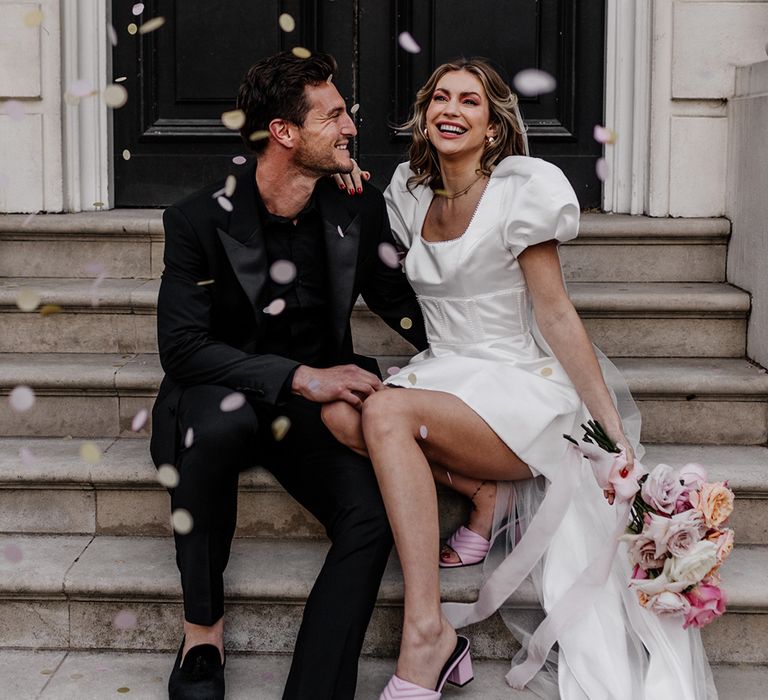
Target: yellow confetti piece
33,18
181,520
152,25
412,378
50,309
301,52
133,28
406,323
48,671
234,119
115,96
280,427
126,154
229,185
286,22
90,453
546,371
123,690
258,135
203,283
76,676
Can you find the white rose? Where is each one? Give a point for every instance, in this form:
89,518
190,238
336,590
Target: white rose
695,565
669,604
663,582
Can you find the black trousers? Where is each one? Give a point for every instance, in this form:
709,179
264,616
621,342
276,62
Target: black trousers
337,486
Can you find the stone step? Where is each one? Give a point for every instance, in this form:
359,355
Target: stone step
686,400
74,675
65,592
128,243
628,319
58,493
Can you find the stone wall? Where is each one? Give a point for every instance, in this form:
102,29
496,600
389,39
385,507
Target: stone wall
748,199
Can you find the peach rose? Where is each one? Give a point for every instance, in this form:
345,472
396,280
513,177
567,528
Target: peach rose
714,501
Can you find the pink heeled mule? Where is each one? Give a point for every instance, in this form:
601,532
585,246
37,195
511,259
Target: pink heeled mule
470,547
457,671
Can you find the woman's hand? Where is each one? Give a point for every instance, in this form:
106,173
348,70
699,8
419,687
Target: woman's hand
353,181
621,442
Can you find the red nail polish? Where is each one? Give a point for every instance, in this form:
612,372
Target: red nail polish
624,473
341,187
350,192
359,190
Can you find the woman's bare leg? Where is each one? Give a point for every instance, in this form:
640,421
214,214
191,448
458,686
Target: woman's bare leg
463,443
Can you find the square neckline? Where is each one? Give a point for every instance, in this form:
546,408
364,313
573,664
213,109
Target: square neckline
469,224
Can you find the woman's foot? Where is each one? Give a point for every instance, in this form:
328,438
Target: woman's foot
424,649
480,520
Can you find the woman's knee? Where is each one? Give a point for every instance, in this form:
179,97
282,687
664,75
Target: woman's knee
385,412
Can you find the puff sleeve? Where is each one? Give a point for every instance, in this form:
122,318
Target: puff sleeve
540,206
401,205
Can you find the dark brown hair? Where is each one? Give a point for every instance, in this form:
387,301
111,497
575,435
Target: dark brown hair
273,88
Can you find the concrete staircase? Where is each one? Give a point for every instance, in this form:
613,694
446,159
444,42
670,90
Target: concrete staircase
81,542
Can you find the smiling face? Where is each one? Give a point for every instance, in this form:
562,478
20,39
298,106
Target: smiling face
457,117
323,142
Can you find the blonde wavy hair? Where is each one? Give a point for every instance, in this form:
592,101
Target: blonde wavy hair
510,133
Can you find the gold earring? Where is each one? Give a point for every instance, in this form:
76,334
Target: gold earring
426,133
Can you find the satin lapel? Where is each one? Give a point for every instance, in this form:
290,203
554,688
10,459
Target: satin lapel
341,253
243,240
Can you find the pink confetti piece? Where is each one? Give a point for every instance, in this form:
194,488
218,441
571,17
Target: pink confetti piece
532,81
232,402
139,420
28,220
239,160
95,269
314,385
26,456
112,34
15,110
408,43
388,255
224,203
603,134
125,620
282,271
602,170
267,676
189,437
80,88
21,398
391,371
275,307
450,479
137,9
13,553
423,432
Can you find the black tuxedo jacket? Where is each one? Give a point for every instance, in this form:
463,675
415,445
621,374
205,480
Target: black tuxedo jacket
208,318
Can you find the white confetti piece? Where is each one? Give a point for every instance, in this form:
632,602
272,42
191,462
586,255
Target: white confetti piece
339,231
21,398
28,220
33,18
27,457
354,109
232,402
152,25
27,299
168,476
229,185
90,453
121,79
112,34
282,271
301,52
450,478
189,437
233,119
391,371
126,154
13,553
388,255
280,427
275,307
423,432
406,324
115,96
125,620
139,420
286,22
239,160
412,378
204,283
224,203
532,81
408,43
15,110
602,170
181,521
137,9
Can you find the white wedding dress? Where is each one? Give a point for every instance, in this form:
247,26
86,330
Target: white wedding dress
486,349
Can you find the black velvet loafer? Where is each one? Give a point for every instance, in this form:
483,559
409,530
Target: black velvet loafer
200,678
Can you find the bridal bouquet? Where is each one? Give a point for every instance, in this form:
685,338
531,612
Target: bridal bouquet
677,534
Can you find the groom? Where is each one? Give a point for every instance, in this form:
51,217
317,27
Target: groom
255,301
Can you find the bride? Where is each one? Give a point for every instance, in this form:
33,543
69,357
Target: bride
509,369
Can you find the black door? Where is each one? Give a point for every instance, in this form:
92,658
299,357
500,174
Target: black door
181,77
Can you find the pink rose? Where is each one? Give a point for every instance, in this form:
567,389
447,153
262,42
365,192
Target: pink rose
662,488
642,552
669,604
683,531
707,603
655,528
683,501
693,476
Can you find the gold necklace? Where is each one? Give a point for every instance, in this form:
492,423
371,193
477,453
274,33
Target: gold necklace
448,195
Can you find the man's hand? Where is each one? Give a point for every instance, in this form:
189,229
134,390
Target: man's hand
347,383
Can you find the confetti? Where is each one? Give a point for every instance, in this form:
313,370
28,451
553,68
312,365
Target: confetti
391,371
233,119
423,432
280,427
152,25
314,385
112,34
224,203
603,134
21,398
329,79
13,553
354,109
133,28
90,453
239,160
406,323
601,169
168,475
181,521
33,18
50,309
15,110
28,220
76,676
121,79
275,307
546,371
126,154
125,620
204,283
286,22
115,96
27,299
95,269
408,43
48,671
139,420
339,231
282,271
229,185
301,52
267,676
125,689
258,135
412,378
137,9
388,255
232,402
189,437
450,478
80,88
26,457
532,81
